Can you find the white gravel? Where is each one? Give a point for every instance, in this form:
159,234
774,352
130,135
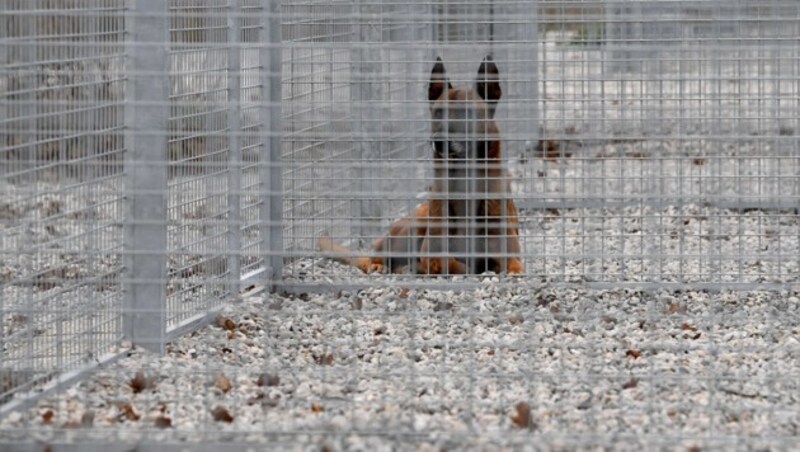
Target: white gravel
431,369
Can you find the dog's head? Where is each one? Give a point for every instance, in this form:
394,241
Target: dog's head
462,118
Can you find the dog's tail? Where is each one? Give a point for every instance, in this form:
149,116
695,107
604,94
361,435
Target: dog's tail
346,256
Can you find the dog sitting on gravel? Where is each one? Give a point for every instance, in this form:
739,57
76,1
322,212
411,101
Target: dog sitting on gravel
469,223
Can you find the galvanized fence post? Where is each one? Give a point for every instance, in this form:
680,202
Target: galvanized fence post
5,126
365,69
146,115
271,212
234,146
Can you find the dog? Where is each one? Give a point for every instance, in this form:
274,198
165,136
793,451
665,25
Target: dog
469,223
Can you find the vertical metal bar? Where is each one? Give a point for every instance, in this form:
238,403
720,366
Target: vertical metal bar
271,213
366,89
5,146
146,115
5,119
234,146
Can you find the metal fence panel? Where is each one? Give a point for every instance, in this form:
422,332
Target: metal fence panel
648,143
160,156
61,89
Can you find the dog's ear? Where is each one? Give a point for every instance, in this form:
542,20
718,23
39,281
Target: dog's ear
439,82
487,85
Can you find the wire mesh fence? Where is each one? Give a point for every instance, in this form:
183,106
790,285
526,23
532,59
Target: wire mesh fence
478,224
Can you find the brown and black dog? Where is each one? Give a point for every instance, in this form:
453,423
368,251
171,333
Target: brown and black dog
469,222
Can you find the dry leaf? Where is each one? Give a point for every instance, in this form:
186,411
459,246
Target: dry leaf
693,449
230,325
222,383
221,414
325,360
140,382
688,327
226,323
551,150
126,411
163,422
632,353
522,417
47,417
675,308
403,292
267,379
516,319
317,408
632,383
699,161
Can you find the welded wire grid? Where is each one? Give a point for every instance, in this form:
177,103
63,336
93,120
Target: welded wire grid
652,148
66,194
656,144
198,148
61,179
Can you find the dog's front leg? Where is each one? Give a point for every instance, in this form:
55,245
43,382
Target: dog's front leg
432,259
507,244
432,262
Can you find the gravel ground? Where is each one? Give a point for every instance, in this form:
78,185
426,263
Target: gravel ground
500,365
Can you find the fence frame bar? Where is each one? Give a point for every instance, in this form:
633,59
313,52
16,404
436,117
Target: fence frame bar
234,147
271,171
146,117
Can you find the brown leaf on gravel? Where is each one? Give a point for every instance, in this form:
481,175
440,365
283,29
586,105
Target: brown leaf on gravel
267,379
47,417
163,422
126,411
522,417
675,308
317,408
222,383
140,382
633,353
226,323
221,414
516,319
632,383
403,293
325,360
688,327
